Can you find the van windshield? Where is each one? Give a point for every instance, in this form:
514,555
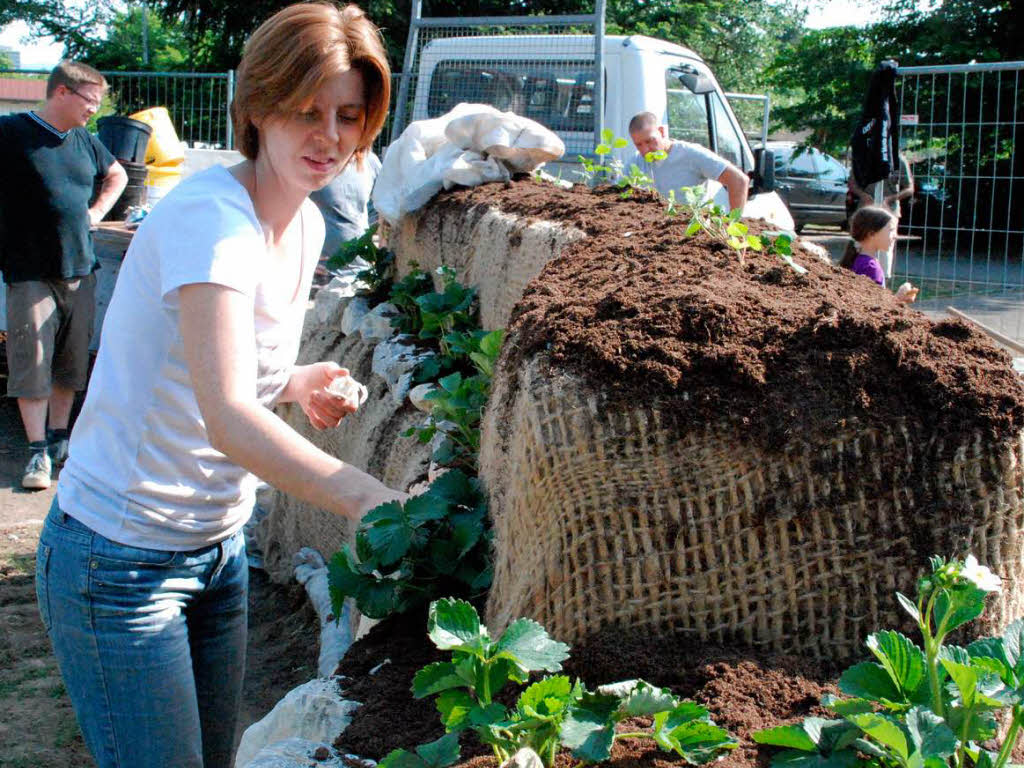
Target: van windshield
557,94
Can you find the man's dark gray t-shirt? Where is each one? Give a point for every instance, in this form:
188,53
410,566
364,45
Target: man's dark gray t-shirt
49,181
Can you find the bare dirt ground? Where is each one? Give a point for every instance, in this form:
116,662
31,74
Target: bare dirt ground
37,724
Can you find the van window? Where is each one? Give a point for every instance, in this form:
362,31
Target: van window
557,94
729,145
687,115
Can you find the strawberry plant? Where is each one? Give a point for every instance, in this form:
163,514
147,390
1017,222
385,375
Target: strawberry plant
727,228
378,277
408,554
458,403
554,712
927,706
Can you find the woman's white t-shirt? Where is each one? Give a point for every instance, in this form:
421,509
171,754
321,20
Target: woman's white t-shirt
141,469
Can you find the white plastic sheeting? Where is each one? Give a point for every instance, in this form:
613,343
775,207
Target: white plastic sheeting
471,145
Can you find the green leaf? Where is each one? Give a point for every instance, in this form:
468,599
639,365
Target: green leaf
343,580
869,681
1013,645
380,598
965,678
454,624
424,508
546,698
792,736
884,730
601,150
528,645
736,229
898,655
693,228
646,700
451,382
909,606
847,706
929,733
755,242
453,486
440,753
434,678
955,606
697,741
455,705
589,727
619,142
830,735
490,344
389,540
401,758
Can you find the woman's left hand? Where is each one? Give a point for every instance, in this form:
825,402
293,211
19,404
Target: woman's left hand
310,383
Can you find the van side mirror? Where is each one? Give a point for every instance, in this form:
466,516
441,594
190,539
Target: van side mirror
764,170
694,81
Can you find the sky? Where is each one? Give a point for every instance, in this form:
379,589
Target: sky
44,54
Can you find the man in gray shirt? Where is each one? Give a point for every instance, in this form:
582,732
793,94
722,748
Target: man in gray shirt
685,164
343,204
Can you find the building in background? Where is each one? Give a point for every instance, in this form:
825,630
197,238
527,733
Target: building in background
18,95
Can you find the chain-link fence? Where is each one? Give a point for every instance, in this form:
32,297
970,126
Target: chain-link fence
965,223
196,101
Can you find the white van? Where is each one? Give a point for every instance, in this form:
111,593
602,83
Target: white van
549,78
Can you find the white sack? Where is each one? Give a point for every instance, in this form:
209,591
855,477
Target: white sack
470,145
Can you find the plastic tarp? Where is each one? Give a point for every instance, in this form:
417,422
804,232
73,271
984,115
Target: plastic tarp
470,145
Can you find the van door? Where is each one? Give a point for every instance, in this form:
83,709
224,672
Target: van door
702,117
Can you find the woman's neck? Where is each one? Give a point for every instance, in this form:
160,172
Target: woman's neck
274,202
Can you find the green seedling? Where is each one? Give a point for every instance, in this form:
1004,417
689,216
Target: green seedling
553,713
926,706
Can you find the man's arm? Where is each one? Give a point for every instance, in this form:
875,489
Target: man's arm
737,184
906,189
112,186
864,196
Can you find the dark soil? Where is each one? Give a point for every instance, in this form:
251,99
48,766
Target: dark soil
744,689
647,313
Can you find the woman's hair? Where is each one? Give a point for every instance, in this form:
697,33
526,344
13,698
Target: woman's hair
73,75
863,224
293,53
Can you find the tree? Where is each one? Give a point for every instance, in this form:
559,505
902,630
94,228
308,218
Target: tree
168,44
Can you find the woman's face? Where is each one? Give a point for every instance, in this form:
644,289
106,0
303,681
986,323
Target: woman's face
309,148
882,240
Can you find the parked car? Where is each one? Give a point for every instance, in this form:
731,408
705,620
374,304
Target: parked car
811,183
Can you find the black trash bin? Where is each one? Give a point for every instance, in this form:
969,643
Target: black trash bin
124,137
134,193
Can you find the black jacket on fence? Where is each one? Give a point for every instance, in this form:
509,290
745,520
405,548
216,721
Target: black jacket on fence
875,142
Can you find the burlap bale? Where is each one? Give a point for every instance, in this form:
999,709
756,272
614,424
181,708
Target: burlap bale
496,253
611,516
370,439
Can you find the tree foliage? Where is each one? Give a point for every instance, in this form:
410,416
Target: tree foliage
824,76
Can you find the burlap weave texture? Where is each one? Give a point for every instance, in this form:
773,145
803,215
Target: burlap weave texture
610,515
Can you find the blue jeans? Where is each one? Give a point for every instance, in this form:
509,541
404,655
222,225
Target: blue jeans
150,643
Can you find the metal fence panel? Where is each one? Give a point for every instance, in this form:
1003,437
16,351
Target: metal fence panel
197,102
959,131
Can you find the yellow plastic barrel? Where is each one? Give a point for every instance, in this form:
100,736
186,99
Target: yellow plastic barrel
160,179
164,147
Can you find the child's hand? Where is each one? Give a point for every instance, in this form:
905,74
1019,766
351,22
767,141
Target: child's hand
906,293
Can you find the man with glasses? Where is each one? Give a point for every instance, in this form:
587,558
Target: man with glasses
59,182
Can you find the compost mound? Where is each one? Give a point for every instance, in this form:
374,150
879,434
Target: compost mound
744,689
651,314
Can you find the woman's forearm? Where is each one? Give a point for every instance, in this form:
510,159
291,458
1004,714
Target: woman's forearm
259,441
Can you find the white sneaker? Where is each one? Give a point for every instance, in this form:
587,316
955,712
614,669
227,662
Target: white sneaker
37,473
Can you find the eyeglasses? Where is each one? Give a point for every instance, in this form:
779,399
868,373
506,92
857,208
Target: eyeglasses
94,103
